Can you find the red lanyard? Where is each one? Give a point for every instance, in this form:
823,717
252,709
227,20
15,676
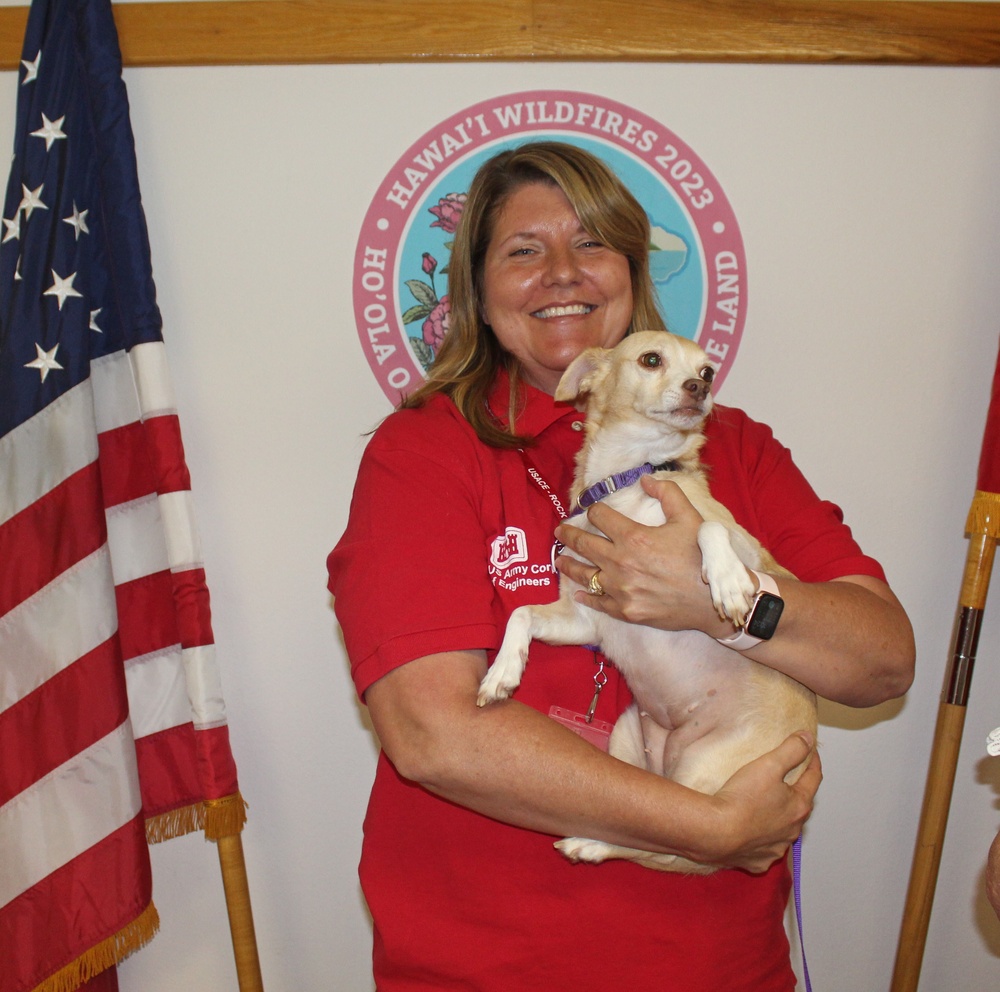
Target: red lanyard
539,481
600,677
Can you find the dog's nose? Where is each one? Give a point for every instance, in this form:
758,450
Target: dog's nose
698,388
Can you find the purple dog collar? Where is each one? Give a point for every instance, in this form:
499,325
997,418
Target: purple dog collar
621,480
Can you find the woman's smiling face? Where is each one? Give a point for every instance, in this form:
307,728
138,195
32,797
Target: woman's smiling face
550,289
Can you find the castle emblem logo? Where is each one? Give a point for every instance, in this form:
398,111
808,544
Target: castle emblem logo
508,549
697,263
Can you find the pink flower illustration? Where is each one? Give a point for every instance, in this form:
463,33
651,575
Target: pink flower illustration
429,262
448,212
436,325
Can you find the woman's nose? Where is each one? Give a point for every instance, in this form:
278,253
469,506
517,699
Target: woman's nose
561,267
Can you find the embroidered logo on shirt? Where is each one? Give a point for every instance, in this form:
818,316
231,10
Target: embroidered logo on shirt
509,548
509,565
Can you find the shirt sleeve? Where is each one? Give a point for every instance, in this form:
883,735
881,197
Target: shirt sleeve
409,576
754,474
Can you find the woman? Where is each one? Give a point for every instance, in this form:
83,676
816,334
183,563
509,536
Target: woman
451,528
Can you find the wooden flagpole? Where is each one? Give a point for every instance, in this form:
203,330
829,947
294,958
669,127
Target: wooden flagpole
983,528
237,888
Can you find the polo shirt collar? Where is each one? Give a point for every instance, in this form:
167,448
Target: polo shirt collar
536,409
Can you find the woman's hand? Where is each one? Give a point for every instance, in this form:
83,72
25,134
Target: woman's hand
848,640
650,575
760,816
516,765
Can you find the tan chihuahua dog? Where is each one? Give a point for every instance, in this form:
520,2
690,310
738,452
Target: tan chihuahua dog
702,710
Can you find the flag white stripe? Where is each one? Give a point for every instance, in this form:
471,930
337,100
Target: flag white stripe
47,449
205,687
172,687
136,540
116,402
68,811
183,539
157,691
152,377
60,623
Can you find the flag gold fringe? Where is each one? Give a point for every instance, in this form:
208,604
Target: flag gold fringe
217,817
104,955
224,817
176,823
984,514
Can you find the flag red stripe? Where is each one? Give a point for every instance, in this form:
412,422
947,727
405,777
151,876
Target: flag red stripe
77,707
194,614
168,760
215,758
168,770
163,434
75,907
988,480
126,470
52,534
106,981
145,615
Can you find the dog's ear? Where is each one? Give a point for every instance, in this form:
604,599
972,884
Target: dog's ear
583,373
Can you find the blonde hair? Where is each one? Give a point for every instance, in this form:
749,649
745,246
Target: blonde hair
470,357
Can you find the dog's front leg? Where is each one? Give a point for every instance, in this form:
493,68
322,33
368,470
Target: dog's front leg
721,567
561,622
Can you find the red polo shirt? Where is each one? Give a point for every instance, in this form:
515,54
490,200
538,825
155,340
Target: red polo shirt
446,537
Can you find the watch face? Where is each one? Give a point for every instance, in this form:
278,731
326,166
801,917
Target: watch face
764,618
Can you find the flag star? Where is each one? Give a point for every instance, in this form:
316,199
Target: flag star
32,69
13,228
45,362
93,320
50,130
79,221
31,200
62,288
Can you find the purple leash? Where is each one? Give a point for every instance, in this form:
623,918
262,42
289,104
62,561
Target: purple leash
797,893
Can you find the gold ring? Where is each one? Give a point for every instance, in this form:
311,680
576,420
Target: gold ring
595,588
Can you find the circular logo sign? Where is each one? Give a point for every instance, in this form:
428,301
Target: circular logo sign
697,260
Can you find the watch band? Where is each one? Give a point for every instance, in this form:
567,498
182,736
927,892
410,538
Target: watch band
741,640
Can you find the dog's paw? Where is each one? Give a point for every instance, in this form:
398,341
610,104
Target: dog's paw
492,690
725,574
732,591
580,849
503,677
732,596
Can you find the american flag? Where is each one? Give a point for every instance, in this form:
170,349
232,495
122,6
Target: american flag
112,723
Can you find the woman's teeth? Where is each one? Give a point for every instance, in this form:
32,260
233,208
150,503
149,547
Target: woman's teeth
576,308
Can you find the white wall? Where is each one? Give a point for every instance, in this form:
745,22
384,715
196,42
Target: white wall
868,203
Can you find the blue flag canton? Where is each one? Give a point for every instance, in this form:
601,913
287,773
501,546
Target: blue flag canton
63,301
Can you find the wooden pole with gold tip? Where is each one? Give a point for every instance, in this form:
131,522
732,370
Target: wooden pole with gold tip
983,528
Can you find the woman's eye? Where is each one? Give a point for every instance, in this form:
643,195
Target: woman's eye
708,373
651,360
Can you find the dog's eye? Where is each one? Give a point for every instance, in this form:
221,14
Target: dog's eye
707,373
651,360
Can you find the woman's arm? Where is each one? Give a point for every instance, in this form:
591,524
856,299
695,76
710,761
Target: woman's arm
848,640
512,763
